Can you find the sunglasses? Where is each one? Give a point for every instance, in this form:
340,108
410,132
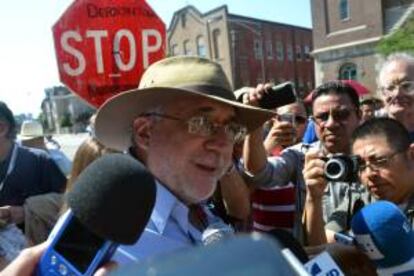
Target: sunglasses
339,115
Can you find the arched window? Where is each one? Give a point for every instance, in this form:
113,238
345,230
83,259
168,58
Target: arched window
187,48
201,46
348,71
174,50
216,41
279,50
343,9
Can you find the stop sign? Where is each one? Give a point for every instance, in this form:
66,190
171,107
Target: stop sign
104,46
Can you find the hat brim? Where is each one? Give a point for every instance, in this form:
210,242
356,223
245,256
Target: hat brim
25,137
113,125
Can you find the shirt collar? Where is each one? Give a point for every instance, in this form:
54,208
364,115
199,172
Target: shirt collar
167,206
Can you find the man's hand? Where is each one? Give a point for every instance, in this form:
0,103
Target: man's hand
314,176
12,214
25,264
255,94
281,134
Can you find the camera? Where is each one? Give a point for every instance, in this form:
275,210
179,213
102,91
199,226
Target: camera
342,168
287,117
276,96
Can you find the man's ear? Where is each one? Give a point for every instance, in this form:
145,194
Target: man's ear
411,152
142,127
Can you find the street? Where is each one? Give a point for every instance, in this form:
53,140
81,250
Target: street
70,142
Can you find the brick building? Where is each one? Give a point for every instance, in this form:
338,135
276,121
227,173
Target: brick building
345,33
250,50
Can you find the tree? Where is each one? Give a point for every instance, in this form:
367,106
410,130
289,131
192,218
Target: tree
400,41
66,121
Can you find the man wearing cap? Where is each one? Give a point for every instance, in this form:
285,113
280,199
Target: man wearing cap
182,123
386,169
24,172
32,136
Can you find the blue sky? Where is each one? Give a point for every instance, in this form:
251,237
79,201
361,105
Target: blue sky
27,57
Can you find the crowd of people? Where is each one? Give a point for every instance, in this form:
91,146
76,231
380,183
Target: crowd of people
219,161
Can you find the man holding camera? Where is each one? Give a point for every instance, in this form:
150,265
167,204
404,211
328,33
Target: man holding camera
275,207
336,115
385,167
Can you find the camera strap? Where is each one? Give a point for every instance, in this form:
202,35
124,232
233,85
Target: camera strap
10,168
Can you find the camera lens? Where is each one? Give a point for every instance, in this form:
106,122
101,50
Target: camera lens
335,169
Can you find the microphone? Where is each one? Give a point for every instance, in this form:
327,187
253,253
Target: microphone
216,232
253,254
383,231
288,241
110,204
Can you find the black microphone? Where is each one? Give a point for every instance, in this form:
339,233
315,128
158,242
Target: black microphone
252,254
288,241
110,204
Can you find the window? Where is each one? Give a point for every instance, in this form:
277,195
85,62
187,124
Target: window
174,50
279,50
258,49
298,52
187,48
183,20
216,41
269,49
343,9
289,52
201,47
306,51
348,72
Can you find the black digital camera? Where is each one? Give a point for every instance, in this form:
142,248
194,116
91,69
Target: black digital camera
342,168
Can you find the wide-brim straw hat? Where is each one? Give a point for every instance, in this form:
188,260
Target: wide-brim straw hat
30,130
164,82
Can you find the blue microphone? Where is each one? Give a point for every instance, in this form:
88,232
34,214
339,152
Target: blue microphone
385,234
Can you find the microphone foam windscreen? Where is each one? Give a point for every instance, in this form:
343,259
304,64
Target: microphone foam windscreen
287,240
114,197
384,233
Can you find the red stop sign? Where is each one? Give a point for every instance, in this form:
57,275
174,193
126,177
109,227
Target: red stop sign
104,46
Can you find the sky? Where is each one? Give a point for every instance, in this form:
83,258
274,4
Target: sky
27,58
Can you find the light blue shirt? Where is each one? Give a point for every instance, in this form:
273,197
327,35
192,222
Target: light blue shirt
167,230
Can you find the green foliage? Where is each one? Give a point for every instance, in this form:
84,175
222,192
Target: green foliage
42,119
84,117
66,121
400,41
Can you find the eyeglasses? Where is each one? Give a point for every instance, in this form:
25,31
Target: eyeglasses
405,86
202,126
339,115
378,163
300,119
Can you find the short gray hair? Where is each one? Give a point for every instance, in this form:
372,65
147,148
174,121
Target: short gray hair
398,56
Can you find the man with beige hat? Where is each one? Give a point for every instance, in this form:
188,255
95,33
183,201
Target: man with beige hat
182,123
32,136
